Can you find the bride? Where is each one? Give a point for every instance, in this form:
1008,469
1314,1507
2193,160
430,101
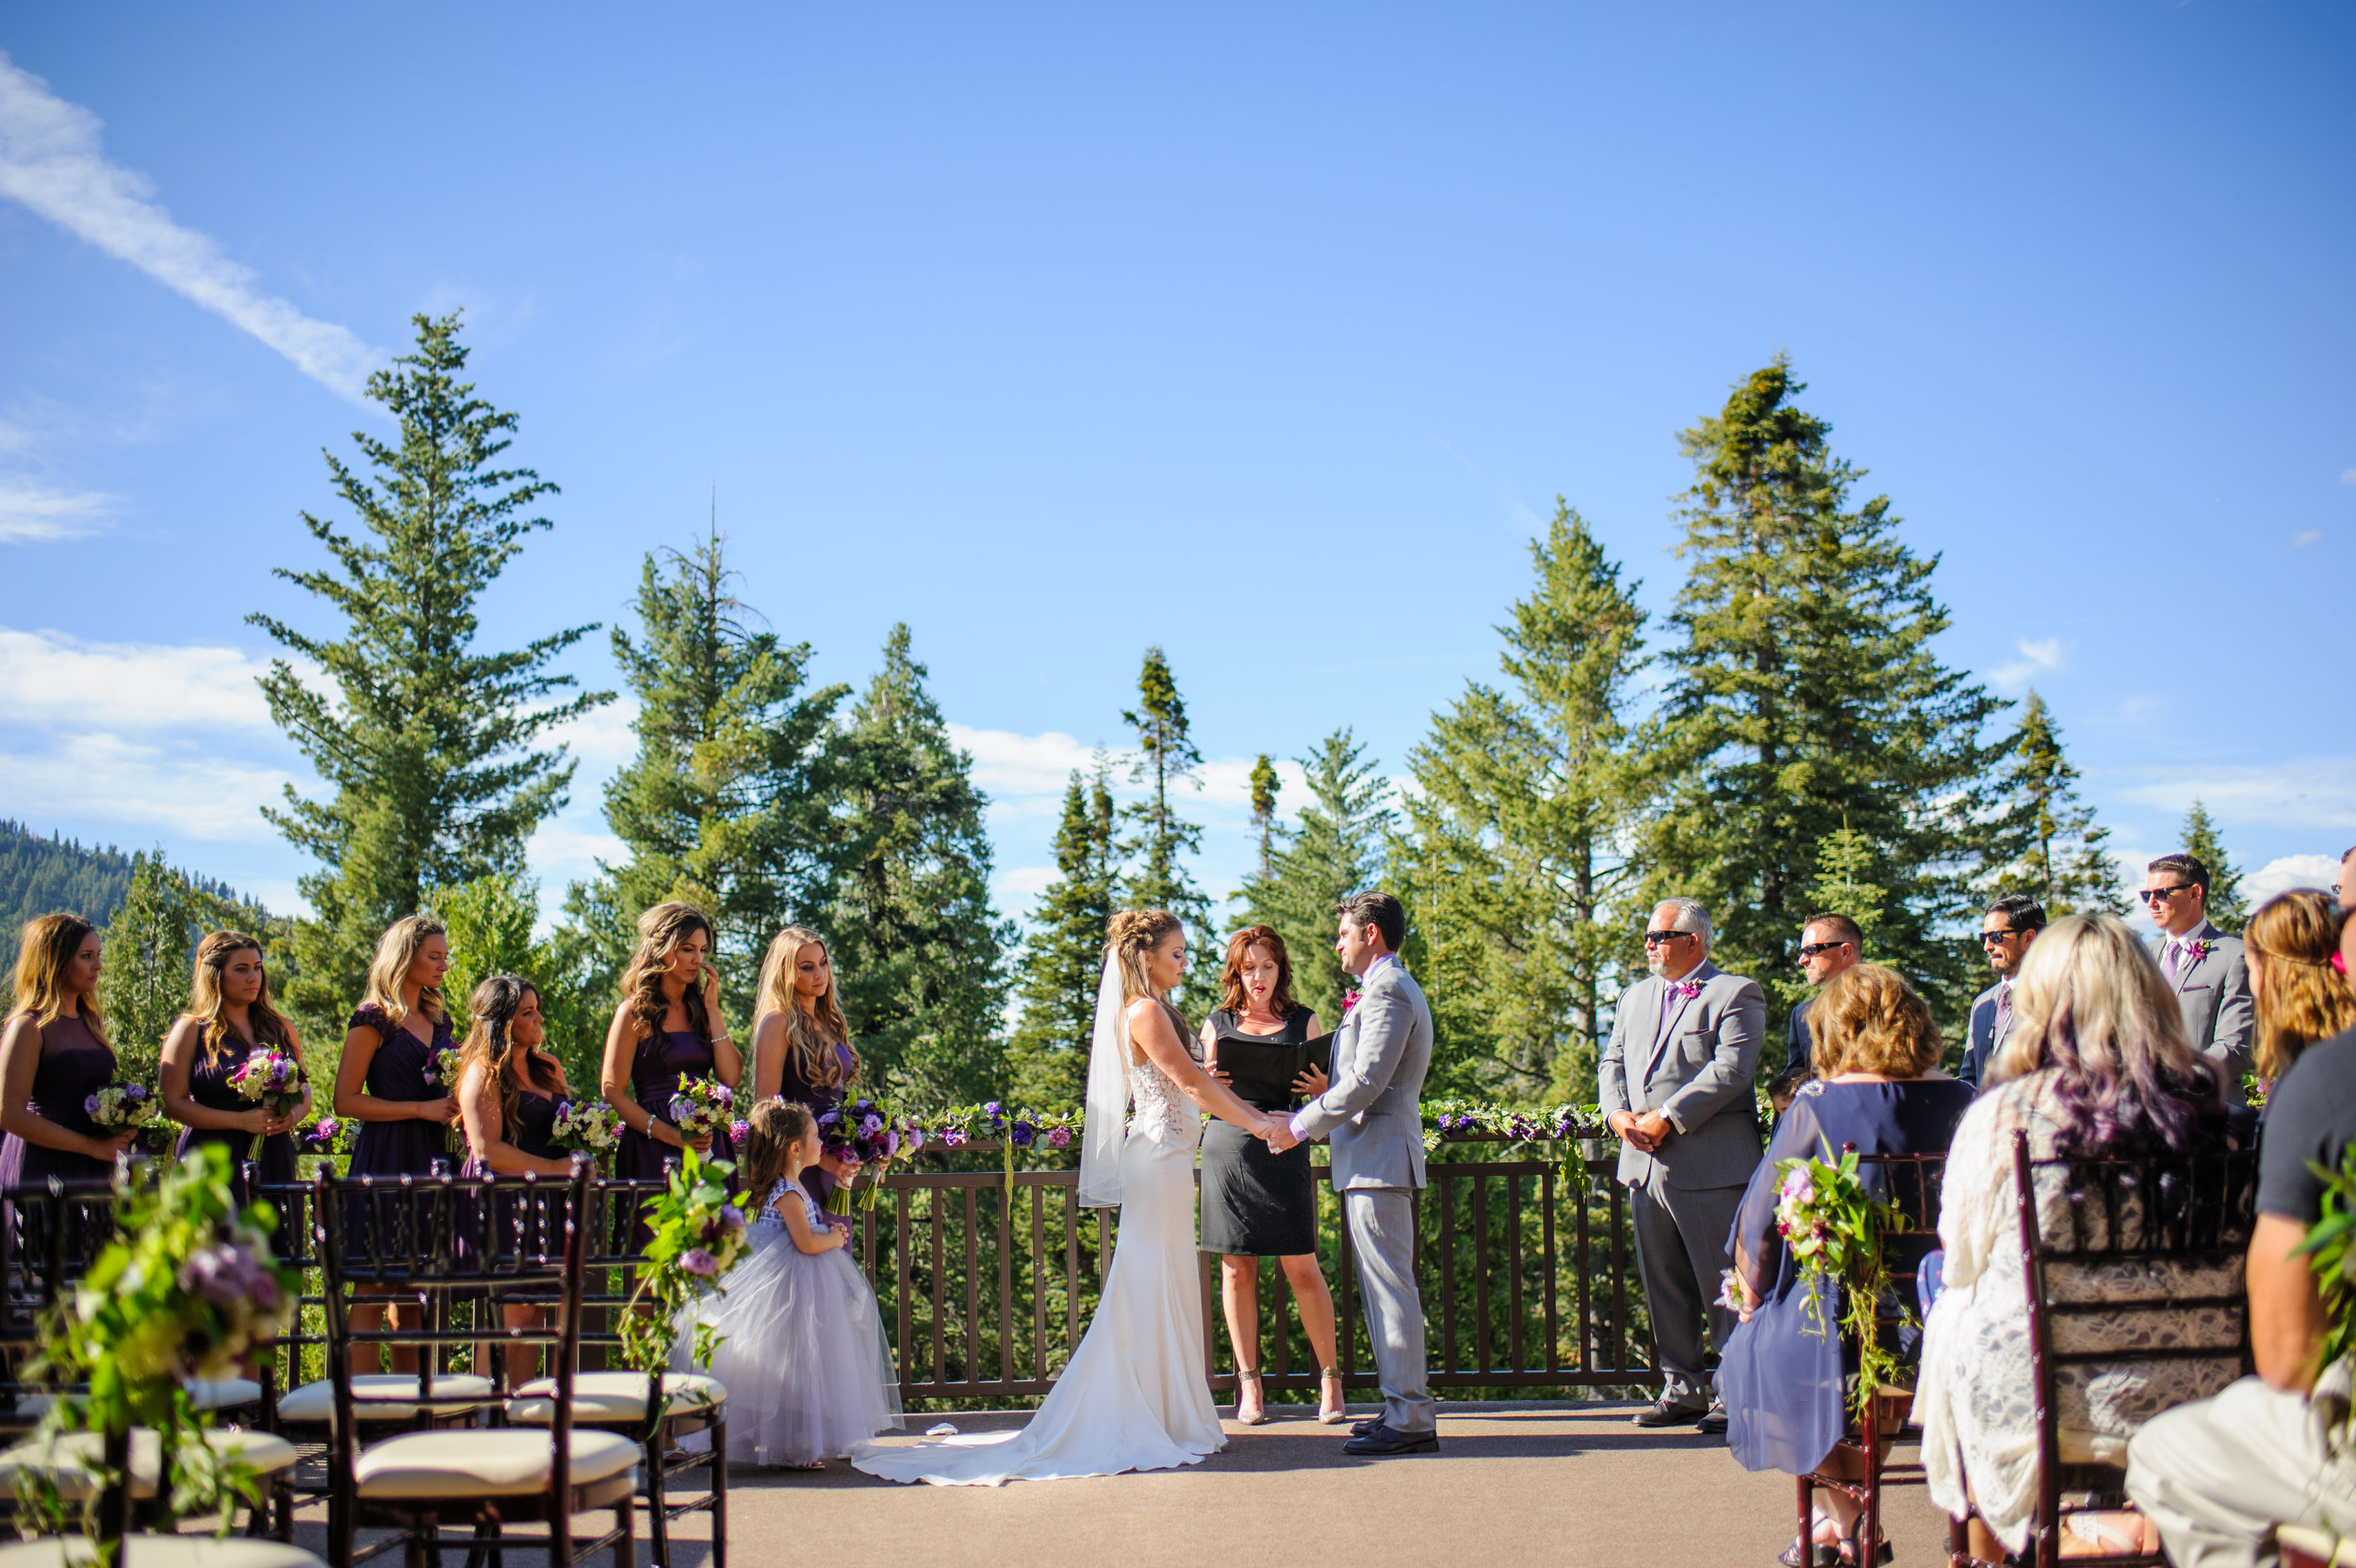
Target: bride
1136,1395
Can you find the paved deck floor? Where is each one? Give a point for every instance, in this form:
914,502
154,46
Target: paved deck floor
1558,1485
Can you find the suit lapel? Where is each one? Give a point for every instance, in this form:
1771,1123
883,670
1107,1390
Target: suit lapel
2203,932
1665,1021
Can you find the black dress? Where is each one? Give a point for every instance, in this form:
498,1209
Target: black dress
1256,1202
273,1157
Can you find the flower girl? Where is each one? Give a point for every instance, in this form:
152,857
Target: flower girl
803,1355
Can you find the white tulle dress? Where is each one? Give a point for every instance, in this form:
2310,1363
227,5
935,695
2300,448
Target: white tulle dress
805,1362
1136,1395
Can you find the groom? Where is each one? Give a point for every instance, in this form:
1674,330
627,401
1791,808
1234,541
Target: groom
1381,1054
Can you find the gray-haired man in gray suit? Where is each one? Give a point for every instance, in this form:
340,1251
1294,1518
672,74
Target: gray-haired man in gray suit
1381,1054
1676,1084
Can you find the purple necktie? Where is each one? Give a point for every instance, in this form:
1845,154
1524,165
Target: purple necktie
2175,952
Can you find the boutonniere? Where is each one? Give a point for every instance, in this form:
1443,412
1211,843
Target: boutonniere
2200,949
1350,1000
1688,989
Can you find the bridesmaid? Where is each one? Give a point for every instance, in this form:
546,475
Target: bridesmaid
1257,1204
53,1055
801,1043
508,1092
666,1029
381,1082
229,1018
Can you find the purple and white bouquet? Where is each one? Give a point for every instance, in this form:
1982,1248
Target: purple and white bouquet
271,1079
133,1105
443,1069
702,1107
586,1126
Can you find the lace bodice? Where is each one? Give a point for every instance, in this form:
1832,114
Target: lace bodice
1162,1111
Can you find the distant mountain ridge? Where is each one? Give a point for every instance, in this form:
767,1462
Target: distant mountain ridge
39,876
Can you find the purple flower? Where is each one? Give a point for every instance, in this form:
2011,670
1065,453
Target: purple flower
1022,1134
696,1261
951,1137
732,1217
871,1125
828,1119
915,1139
89,1104
135,1092
891,1143
1059,1138
740,1130
723,1094
222,1275
1688,989
265,1290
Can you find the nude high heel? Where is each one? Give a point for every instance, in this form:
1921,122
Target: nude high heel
1252,1412
1332,1409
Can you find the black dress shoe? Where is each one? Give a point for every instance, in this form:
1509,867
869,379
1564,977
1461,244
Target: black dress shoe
1360,1428
1662,1414
1714,1421
1382,1443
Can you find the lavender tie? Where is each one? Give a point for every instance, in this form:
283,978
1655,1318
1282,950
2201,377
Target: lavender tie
2175,953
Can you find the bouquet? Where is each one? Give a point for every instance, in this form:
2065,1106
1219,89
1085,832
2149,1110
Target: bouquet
133,1105
1832,1228
442,1071
863,1132
702,1107
324,1136
271,1079
586,1127
696,1234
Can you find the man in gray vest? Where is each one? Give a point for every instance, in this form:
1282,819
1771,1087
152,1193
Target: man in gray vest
2006,930
1676,1084
2204,966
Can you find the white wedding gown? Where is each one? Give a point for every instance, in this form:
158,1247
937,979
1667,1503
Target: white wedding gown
1136,1395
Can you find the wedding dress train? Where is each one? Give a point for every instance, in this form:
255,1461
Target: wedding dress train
1136,1395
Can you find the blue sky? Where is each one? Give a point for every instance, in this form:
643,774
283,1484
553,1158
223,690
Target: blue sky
1265,334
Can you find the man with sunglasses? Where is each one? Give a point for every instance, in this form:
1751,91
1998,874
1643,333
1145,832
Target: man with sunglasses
1675,1085
1828,944
2006,930
2204,966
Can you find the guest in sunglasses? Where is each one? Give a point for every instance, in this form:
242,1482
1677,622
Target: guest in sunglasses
2006,930
2205,967
1829,945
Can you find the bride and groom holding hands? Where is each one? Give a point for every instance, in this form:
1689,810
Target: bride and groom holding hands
1136,1393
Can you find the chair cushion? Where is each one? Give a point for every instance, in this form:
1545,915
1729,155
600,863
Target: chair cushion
70,1456
384,1396
159,1551
479,1463
223,1393
613,1396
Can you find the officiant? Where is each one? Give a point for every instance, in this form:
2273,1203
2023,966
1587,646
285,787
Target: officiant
1257,1204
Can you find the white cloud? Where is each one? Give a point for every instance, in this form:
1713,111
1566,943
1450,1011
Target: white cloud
2290,871
2042,654
2305,537
28,513
602,738
2310,794
175,789
2347,476
51,160
56,681
1018,888
1008,767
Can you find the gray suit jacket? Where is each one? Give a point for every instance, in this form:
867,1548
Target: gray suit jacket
1372,1109
1695,1068
2214,992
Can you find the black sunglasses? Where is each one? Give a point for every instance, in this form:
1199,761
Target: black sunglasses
1990,939
1814,948
2159,896
1654,939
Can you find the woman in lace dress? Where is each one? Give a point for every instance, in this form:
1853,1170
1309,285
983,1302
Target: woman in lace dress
2097,1064
1136,1395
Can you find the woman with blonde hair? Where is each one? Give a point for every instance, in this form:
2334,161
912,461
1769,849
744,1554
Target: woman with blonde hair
2302,999
1136,1393
53,1055
802,1043
666,1029
1877,1089
229,1018
2097,1065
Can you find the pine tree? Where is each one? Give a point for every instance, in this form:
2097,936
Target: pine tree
727,803
2044,841
150,953
491,921
430,746
1063,956
919,952
1264,788
1804,688
1525,793
1165,758
2227,910
1336,847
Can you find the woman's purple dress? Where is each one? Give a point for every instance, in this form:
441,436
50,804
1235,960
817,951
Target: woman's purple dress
1783,1377
397,1072
664,1063
209,1086
533,1134
75,1064
795,1088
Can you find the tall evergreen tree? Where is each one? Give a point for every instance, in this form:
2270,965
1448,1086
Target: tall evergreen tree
1525,794
430,748
150,954
919,952
490,922
1063,956
1167,757
1264,788
727,803
1804,687
2227,910
1337,846
2044,841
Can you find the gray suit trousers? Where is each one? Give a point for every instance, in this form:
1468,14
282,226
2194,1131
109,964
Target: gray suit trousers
1681,1237
1382,1233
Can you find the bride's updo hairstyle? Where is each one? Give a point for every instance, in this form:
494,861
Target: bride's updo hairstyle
1129,936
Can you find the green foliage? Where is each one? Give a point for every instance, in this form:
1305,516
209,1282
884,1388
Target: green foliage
1804,692
2333,1259
430,749
1833,1227
1844,861
727,803
1264,788
2044,841
697,1234
39,876
918,952
1166,757
1335,848
2227,910
150,955
1525,794
490,920
1063,957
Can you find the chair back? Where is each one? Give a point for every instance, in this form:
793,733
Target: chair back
614,1256
2135,1298
431,1240
51,1232
1911,1184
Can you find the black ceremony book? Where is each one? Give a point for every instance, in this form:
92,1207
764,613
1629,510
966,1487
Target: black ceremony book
1264,1074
